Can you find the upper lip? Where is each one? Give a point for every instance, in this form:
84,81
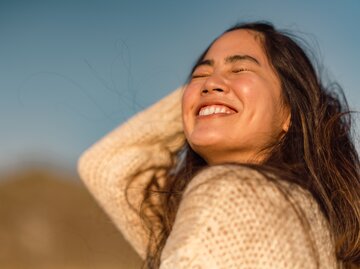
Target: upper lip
213,102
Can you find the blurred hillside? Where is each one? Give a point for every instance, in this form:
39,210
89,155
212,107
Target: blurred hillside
48,222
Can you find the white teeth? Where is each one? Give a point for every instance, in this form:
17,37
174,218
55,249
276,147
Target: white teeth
216,109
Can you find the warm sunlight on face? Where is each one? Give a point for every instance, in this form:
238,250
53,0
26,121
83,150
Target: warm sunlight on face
232,106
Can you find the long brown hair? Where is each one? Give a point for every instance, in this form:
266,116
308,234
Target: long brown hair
316,153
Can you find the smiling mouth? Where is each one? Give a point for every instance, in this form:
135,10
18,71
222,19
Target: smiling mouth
215,109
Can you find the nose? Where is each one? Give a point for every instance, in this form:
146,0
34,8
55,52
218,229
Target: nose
214,84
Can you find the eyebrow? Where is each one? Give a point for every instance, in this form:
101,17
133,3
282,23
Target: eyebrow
230,59
236,58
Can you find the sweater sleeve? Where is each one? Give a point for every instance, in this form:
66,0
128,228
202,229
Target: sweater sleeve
134,152
232,217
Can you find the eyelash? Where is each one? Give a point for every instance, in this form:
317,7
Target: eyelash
240,70
233,71
198,76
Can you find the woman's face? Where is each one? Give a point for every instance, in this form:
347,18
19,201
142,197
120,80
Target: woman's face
232,107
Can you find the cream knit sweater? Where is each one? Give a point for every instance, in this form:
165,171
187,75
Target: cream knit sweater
229,217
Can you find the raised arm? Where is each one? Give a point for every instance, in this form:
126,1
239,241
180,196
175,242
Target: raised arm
138,149
232,217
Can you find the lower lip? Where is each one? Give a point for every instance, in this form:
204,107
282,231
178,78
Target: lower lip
214,115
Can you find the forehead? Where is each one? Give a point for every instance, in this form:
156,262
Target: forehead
243,42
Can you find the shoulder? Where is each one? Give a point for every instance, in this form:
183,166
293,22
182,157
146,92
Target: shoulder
241,192
245,193
235,213
224,182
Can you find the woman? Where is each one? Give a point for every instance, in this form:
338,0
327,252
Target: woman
256,170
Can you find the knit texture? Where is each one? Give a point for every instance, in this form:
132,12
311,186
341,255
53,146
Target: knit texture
229,216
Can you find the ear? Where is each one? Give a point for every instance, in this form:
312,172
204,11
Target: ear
286,124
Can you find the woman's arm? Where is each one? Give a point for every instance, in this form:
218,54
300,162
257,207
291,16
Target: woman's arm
135,151
233,217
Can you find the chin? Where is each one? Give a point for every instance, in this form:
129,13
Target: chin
210,152
221,153
208,138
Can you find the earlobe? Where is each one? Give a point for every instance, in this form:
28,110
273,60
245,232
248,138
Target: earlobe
286,123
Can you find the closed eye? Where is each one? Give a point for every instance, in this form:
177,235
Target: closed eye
199,76
238,70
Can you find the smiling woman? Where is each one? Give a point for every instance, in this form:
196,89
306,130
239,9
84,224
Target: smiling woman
249,165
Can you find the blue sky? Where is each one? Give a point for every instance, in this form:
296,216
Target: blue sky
70,71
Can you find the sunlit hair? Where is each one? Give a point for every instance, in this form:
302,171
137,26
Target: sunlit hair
317,152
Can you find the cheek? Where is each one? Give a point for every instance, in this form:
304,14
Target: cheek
186,98
249,90
255,91
188,101
260,101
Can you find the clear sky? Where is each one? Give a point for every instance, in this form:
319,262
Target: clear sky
70,71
